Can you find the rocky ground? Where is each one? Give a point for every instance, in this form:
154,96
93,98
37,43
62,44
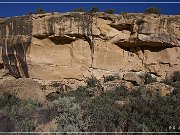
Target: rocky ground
28,106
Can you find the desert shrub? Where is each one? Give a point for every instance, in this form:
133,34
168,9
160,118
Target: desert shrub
176,76
70,116
44,116
101,110
31,104
142,111
47,113
52,96
29,13
152,10
25,126
137,110
23,115
94,10
81,94
79,10
121,91
8,100
6,124
139,21
57,86
39,11
148,78
92,81
110,11
118,94
104,114
151,112
124,14
168,81
110,78
173,80
20,112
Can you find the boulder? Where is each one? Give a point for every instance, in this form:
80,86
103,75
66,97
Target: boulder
23,89
112,85
134,78
161,88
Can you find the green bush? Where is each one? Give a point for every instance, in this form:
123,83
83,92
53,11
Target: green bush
57,86
173,80
152,10
47,113
8,100
23,115
79,10
110,11
148,78
29,13
92,81
136,110
139,21
175,76
81,94
124,14
102,111
21,112
70,117
152,113
142,111
104,114
39,11
94,10
110,78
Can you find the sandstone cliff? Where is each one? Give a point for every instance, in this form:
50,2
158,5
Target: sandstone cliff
73,46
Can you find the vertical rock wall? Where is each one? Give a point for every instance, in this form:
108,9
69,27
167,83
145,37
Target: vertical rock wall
15,38
77,45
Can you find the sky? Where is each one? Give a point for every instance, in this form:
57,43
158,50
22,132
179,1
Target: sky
18,9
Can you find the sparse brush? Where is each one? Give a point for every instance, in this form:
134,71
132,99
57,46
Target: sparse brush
110,78
92,81
152,10
110,11
148,78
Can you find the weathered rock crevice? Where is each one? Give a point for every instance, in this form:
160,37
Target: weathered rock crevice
121,27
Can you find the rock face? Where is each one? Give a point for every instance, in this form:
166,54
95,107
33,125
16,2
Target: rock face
15,38
62,46
23,88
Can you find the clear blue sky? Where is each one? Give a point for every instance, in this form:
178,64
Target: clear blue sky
21,9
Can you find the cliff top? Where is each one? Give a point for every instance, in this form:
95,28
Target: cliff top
97,13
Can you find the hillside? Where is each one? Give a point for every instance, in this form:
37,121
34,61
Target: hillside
115,68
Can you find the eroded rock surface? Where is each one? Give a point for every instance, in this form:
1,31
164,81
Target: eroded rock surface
61,46
23,88
15,38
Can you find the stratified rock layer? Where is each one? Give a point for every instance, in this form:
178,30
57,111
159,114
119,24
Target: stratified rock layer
60,46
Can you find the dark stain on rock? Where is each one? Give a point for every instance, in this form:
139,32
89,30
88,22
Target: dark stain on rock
15,38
